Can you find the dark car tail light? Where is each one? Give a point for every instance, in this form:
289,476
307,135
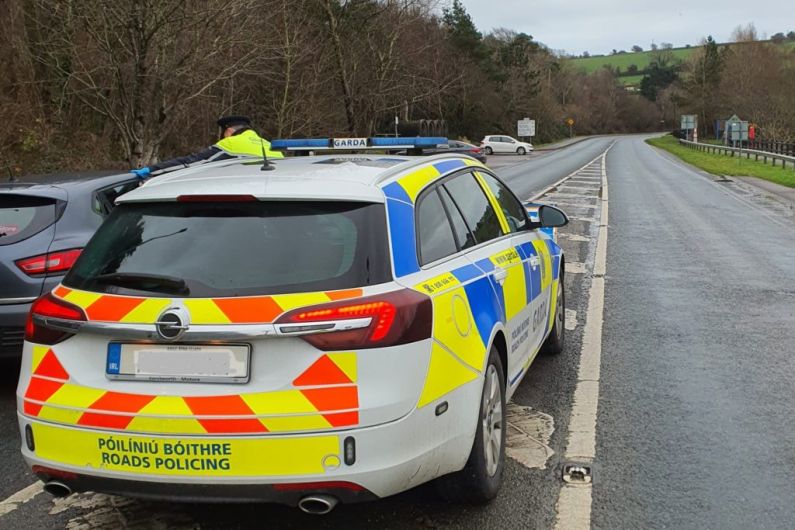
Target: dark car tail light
49,306
476,150
398,317
49,263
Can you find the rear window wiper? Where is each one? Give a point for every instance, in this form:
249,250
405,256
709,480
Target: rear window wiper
145,282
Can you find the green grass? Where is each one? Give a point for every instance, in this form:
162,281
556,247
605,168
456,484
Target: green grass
631,80
640,59
725,165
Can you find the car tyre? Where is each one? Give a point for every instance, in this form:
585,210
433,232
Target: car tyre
480,480
521,151
553,345
489,151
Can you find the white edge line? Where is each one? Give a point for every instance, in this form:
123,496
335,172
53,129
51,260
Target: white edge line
574,501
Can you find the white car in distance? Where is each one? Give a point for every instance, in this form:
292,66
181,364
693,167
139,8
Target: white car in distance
504,144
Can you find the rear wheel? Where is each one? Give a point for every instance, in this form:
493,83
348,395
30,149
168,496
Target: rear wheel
521,151
480,480
554,343
489,150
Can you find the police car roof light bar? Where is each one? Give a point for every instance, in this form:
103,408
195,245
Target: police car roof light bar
357,144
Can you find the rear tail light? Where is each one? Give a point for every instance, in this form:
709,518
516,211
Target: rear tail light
396,318
49,263
476,150
45,307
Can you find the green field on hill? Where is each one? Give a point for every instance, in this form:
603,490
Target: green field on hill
640,59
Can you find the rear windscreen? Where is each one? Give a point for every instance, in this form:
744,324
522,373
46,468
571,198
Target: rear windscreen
236,248
23,216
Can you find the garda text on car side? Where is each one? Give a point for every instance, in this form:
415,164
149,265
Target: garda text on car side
335,329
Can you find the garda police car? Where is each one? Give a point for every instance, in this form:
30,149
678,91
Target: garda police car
338,328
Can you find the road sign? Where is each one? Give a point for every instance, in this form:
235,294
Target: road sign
526,127
570,122
688,122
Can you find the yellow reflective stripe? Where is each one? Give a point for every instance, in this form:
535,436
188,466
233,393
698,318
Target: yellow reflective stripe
147,312
546,262
37,355
280,402
346,362
445,374
76,396
506,228
438,284
60,415
553,302
414,182
148,424
291,301
471,162
204,311
236,456
296,423
513,288
454,326
82,298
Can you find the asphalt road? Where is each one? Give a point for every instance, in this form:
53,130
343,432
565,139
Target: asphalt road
696,424
695,420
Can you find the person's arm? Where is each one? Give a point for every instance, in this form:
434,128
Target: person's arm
185,161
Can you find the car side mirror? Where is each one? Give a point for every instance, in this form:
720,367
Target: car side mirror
551,217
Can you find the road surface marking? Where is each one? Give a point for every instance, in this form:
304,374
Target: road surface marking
21,497
576,268
528,434
552,187
574,502
571,320
573,237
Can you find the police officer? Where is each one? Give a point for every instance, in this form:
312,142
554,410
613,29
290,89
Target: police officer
238,139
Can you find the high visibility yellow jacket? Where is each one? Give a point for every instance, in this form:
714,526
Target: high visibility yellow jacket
244,143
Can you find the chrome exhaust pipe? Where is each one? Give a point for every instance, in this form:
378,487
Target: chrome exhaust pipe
57,489
317,504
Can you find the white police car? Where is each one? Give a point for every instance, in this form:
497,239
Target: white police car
339,328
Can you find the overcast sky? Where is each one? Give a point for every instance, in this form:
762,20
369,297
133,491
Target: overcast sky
598,26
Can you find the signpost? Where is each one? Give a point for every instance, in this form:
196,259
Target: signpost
689,125
526,127
570,123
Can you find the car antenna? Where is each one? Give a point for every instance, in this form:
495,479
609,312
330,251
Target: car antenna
266,166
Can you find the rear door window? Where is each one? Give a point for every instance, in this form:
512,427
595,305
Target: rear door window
480,217
234,249
436,240
22,216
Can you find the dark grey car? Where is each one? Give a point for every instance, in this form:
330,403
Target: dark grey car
44,223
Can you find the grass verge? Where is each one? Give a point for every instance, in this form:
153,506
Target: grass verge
726,165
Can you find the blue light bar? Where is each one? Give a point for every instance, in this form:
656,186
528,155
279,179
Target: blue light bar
357,144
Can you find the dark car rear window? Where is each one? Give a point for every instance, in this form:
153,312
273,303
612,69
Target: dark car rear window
23,216
237,248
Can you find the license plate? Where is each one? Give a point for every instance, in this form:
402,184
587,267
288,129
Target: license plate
179,363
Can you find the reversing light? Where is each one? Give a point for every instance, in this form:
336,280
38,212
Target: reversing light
49,263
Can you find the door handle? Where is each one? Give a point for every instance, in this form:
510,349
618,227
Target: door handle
500,274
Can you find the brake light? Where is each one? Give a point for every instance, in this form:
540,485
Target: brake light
475,150
49,306
216,198
49,263
398,317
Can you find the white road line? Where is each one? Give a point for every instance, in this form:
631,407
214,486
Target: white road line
574,502
19,498
561,181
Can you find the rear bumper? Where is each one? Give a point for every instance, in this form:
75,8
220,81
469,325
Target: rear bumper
389,458
12,328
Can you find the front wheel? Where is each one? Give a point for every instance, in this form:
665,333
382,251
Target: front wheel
480,480
521,151
554,343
